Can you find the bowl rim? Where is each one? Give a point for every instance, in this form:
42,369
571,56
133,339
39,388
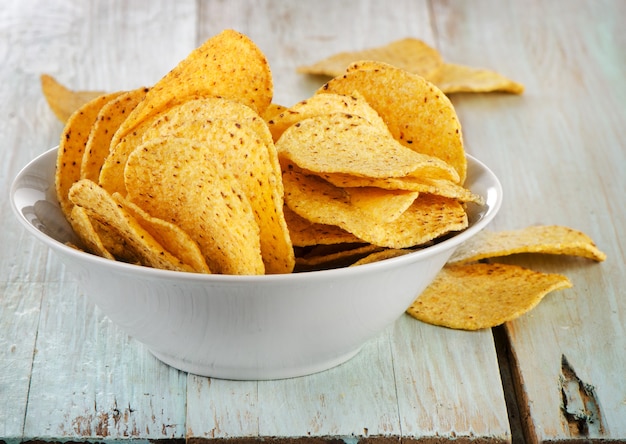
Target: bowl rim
493,204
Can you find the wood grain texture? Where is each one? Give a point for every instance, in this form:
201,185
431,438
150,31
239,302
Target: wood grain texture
69,374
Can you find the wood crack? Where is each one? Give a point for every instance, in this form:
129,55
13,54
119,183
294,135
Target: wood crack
580,406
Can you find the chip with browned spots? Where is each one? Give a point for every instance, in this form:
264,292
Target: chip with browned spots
349,144
183,182
321,202
72,147
477,296
84,228
170,236
418,114
241,141
110,117
323,105
101,206
227,65
544,239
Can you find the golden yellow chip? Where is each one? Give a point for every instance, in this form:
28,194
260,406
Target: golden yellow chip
100,205
72,146
438,187
454,78
380,204
84,229
227,65
272,110
325,104
410,54
378,256
110,117
546,239
192,116
477,296
321,202
112,171
349,144
181,181
305,233
170,236
64,101
240,140
418,114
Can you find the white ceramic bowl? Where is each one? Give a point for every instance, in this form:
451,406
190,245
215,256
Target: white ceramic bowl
246,327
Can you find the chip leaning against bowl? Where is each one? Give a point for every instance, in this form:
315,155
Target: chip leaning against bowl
195,161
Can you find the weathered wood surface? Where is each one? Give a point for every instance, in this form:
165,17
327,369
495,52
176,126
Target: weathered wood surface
67,373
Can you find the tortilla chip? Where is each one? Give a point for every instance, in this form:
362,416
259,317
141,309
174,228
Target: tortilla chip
305,233
323,105
334,256
63,101
182,182
438,187
380,204
349,144
84,229
227,65
418,114
170,236
72,146
321,202
100,205
410,54
477,296
110,117
241,141
454,78
544,239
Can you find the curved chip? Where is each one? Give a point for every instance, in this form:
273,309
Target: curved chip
418,114
240,140
110,117
228,65
477,296
545,239
320,202
349,144
410,54
64,101
72,146
305,233
101,206
454,78
325,104
171,236
181,181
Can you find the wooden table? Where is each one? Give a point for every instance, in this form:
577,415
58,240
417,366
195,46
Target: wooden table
556,374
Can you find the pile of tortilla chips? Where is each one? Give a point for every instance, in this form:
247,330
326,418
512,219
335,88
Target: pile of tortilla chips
416,56
202,172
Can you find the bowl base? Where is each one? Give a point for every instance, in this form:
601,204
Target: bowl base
252,374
